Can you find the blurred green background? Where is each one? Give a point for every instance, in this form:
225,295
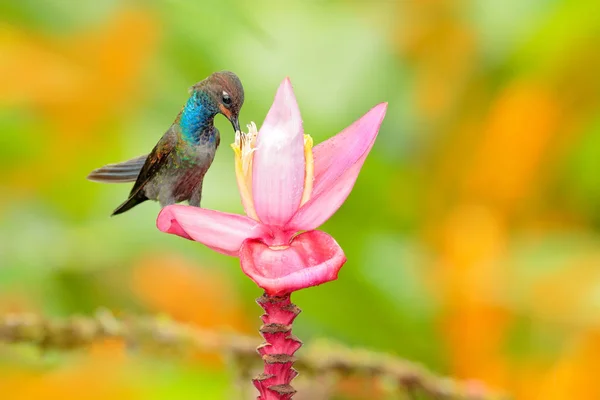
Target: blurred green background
472,233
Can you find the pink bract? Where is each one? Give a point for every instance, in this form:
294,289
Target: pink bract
287,187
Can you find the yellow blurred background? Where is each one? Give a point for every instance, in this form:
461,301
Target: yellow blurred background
472,234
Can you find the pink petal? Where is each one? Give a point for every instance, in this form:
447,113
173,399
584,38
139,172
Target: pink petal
311,259
278,166
220,231
338,161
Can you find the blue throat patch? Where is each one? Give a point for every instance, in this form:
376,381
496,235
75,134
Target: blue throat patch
196,118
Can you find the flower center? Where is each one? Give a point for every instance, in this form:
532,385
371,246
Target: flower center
244,148
309,174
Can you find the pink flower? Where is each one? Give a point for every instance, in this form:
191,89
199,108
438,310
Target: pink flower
286,187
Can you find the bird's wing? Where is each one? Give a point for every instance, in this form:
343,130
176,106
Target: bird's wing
126,171
155,161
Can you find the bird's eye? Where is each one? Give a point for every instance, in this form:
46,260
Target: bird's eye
226,98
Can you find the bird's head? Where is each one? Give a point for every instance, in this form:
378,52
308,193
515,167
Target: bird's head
226,94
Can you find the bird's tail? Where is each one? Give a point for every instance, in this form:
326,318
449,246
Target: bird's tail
126,171
132,201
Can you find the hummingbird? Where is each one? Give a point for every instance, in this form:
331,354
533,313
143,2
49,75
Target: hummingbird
174,170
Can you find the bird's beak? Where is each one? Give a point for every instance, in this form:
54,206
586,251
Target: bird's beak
232,118
235,123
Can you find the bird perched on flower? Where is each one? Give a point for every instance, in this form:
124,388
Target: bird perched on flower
174,171
288,189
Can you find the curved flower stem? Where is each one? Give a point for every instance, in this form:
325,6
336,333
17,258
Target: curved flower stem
278,349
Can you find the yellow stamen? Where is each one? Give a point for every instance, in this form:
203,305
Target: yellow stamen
244,148
309,174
